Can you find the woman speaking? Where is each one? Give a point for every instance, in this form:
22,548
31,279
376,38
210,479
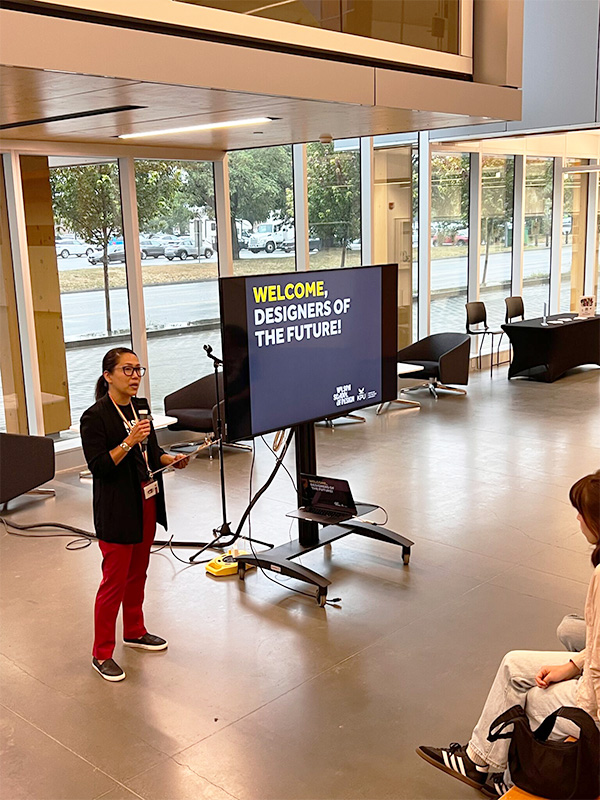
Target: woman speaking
123,456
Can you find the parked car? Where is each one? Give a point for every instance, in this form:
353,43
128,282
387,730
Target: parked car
72,246
449,237
154,248
115,254
353,245
289,244
149,248
187,247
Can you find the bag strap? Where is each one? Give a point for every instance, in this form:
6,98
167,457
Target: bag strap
499,725
578,716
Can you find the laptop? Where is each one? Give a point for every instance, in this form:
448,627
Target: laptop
325,500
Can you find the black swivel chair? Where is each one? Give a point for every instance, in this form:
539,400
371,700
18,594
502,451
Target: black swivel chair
514,308
195,407
444,358
25,463
477,315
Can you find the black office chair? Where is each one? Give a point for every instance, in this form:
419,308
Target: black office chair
476,315
195,407
444,358
514,308
25,463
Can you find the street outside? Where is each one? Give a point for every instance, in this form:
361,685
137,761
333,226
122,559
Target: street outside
177,358
183,304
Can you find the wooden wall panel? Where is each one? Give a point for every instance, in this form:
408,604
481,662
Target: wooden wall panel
46,292
11,368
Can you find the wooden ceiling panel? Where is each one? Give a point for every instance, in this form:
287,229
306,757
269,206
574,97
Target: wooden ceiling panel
29,94
25,90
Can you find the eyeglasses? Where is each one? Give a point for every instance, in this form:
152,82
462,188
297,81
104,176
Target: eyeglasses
128,371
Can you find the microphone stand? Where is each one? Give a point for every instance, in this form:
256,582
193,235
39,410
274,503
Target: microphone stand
224,529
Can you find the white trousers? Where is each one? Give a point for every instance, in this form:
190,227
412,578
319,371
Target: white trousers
514,684
571,633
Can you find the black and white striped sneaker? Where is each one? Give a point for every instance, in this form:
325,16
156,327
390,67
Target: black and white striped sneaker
455,761
495,786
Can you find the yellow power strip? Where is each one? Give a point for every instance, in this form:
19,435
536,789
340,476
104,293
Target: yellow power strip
226,564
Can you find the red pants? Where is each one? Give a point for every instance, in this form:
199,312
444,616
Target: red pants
124,568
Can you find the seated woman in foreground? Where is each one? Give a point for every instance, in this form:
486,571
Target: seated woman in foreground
540,682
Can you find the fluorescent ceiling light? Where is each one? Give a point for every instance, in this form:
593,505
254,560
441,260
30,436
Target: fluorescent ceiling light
191,128
270,5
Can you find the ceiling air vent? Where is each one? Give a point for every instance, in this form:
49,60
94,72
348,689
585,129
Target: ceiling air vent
62,117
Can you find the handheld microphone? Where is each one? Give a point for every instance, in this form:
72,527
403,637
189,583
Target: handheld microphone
143,410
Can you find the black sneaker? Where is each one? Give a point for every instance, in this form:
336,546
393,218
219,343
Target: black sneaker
495,785
109,669
148,642
455,761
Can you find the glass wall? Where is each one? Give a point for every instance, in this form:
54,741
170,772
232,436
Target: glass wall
575,190
420,23
415,241
449,240
178,243
538,234
13,415
597,257
333,175
497,202
262,206
392,226
91,268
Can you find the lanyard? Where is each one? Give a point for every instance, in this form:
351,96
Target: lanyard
129,428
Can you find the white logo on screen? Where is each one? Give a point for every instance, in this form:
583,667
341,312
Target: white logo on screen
342,395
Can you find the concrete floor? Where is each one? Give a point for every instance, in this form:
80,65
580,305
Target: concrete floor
263,695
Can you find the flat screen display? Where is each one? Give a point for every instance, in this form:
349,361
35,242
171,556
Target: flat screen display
299,347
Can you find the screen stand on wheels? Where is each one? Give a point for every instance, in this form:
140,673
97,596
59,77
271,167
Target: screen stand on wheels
280,559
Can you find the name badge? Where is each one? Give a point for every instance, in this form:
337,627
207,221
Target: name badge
150,489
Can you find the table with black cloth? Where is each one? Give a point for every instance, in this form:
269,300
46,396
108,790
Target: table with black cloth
546,352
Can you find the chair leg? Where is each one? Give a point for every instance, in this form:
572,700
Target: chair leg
42,492
410,403
498,349
431,387
480,349
413,388
450,388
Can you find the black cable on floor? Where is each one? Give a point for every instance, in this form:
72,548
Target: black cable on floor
82,539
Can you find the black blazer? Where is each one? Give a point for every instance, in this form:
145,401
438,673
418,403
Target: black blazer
117,487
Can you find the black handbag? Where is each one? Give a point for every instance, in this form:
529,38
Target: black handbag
556,770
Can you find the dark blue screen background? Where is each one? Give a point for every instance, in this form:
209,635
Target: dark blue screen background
296,381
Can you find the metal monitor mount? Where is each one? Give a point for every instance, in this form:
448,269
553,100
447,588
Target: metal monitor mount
280,559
